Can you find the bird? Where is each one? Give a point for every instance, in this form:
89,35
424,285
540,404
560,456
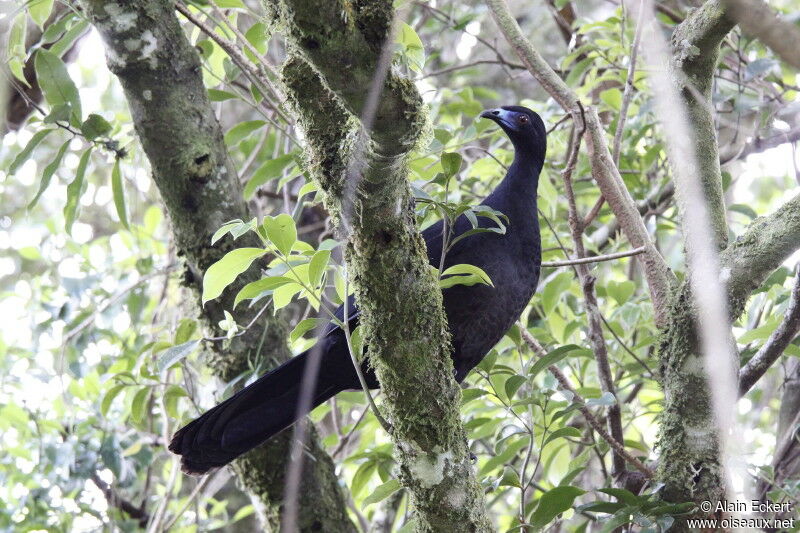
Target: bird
478,315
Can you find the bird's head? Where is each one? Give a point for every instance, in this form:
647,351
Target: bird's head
523,126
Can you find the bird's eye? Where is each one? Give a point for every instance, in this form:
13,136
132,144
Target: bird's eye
523,119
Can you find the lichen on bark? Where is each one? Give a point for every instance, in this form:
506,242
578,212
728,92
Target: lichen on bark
160,73
334,50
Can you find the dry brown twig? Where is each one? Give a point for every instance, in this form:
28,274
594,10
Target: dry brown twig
618,447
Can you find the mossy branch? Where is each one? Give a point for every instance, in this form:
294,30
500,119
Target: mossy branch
161,75
695,51
358,153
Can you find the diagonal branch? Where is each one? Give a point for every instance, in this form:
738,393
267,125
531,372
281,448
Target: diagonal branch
775,345
758,20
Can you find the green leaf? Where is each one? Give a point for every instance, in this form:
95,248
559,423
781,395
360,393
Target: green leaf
16,51
362,476
451,163
139,405
226,270
47,174
281,231
256,288
562,433
40,10
382,492
225,229
56,84
612,97
74,191
467,395
304,326
412,47
230,4
510,479
270,170
105,403
218,95
552,503
513,384
171,397
175,354
61,46
464,274
95,126
239,132
23,156
621,291
554,290
283,295
317,266
118,192
186,329
551,358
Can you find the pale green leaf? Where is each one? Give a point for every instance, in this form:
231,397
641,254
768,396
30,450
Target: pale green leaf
74,191
553,503
226,270
281,231
47,173
382,492
118,191
23,156
256,289
175,354
270,170
58,87
317,266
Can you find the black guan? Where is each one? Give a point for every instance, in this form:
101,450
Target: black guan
478,315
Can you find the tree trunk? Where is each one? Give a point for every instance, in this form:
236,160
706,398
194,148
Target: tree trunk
161,75
332,75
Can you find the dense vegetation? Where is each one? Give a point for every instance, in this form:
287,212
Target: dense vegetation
124,314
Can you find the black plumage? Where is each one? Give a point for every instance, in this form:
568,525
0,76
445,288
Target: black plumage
478,315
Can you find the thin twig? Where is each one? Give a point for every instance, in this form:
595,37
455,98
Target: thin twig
590,301
627,95
115,500
618,447
253,72
594,259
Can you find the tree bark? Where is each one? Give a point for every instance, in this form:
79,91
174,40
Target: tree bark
335,55
160,73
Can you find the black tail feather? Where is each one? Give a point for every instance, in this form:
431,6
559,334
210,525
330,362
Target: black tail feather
249,417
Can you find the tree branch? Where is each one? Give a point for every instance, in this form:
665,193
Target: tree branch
776,344
766,243
336,50
695,52
160,72
758,20
115,500
592,259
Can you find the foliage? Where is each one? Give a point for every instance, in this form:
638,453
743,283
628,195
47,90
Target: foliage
101,355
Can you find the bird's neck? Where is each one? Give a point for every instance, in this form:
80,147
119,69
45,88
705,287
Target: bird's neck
516,194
